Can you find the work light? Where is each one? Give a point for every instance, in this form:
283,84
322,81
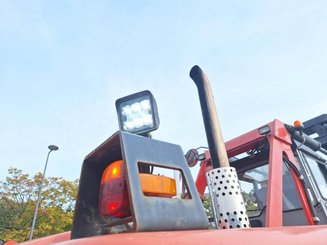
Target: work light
264,130
137,113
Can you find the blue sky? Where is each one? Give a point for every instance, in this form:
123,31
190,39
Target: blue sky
64,63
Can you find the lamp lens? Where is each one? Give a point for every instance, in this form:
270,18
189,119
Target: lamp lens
137,114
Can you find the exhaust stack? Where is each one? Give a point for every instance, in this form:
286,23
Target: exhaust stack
209,113
224,188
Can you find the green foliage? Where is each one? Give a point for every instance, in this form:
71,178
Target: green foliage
251,207
18,196
250,204
207,208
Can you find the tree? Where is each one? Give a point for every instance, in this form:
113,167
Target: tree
208,209
250,205
18,196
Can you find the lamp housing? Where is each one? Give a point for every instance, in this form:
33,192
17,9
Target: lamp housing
137,113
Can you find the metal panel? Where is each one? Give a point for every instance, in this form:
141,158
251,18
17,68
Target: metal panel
157,213
87,221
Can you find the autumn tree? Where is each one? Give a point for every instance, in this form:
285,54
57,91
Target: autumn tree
18,196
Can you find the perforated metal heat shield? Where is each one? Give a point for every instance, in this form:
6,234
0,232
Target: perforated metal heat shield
226,198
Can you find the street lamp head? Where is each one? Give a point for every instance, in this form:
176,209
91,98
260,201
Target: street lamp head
53,147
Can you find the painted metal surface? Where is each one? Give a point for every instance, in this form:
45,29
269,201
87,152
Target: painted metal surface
280,146
303,199
54,239
274,209
157,213
299,235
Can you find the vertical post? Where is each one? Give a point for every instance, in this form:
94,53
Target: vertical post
274,210
52,148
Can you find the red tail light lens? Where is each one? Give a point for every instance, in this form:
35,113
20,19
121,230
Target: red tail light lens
113,196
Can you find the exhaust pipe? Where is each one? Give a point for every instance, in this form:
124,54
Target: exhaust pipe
225,193
210,118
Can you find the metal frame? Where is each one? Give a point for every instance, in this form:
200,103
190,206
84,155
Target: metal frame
319,201
280,146
173,213
317,125
148,213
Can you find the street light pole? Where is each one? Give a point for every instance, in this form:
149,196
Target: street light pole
51,148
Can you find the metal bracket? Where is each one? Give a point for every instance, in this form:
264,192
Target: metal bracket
148,213
157,213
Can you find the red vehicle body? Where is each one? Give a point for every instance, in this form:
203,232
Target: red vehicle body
284,195
280,145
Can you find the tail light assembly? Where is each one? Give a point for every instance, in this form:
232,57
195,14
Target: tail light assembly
113,195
